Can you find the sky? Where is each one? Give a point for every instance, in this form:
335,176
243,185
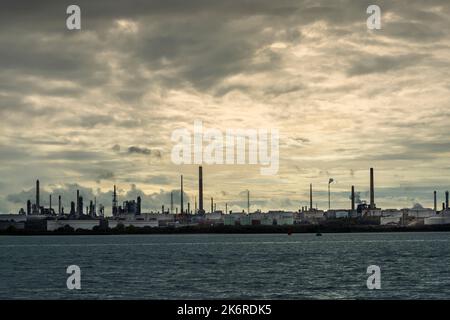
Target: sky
87,109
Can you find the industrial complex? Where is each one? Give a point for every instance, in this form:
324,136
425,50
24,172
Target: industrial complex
88,215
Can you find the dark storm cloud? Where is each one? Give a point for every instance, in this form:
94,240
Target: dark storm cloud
13,104
105,175
409,149
139,150
415,31
93,120
93,86
116,148
202,41
379,64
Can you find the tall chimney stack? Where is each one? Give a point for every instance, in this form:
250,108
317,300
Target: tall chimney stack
446,200
37,195
248,201
200,190
182,202
139,205
171,202
310,197
212,205
435,204
195,205
28,207
59,205
372,191
353,199
50,204
114,202
78,201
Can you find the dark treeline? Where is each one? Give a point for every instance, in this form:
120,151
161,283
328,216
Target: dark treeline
327,228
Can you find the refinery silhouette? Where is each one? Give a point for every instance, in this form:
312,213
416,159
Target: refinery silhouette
90,215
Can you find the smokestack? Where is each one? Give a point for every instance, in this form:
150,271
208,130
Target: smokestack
182,204
212,204
37,196
78,201
226,207
81,206
372,191
310,197
139,205
446,199
200,190
353,199
435,204
248,201
189,208
50,204
114,202
171,202
195,203
59,205
28,207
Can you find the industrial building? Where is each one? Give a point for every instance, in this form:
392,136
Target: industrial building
130,213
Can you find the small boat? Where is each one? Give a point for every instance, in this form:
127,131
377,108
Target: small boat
318,234
289,232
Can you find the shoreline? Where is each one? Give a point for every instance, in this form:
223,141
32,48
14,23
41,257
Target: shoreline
235,230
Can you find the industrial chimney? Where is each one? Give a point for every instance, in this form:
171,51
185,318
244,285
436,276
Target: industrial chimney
212,204
353,199
435,204
310,197
114,202
200,190
38,206
78,202
28,207
372,191
181,199
446,200
139,205
248,201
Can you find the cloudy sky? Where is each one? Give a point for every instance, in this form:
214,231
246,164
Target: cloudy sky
91,108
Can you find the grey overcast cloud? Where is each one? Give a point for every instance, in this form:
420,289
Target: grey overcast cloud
90,108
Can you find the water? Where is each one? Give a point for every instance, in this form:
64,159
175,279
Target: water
263,266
